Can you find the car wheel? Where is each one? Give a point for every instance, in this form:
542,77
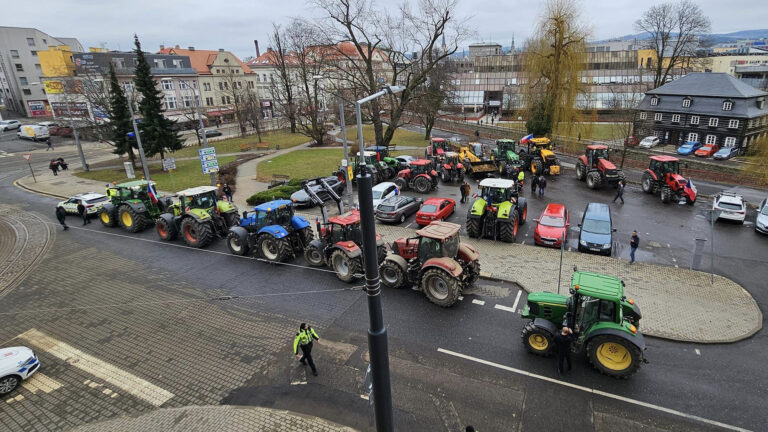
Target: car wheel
402,217
9,384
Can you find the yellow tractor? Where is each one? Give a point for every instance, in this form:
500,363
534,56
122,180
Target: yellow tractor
475,166
539,157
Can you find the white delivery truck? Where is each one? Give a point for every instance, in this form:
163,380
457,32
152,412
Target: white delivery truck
34,132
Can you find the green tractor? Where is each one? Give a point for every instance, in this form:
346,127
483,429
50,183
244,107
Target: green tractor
198,216
133,205
378,169
605,323
506,157
498,212
383,155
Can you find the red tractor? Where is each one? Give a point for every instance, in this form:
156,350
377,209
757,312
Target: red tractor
596,168
338,246
419,176
437,147
434,262
663,178
451,168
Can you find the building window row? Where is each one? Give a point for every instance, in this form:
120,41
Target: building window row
727,105
694,120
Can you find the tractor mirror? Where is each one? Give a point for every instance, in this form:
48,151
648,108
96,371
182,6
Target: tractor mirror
579,225
613,230
245,214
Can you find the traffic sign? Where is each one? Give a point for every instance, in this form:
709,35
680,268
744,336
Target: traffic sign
26,156
208,160
169,164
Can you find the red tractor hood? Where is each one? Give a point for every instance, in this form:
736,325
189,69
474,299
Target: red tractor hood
605,164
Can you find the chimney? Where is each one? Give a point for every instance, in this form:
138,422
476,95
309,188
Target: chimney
162,47
177,47
269,49
258,54
221,49
191,48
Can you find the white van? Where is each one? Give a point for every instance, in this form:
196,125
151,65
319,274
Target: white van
33,132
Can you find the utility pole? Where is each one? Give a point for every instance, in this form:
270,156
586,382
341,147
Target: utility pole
138,141
77,137
202,127
342,122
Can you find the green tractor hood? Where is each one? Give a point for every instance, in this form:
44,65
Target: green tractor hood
479,207
547,305
225,206
512,156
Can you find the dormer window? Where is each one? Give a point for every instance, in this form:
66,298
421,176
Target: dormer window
760,103
686,103
727,105
654,101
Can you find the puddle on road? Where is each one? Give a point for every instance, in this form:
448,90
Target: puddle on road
488,288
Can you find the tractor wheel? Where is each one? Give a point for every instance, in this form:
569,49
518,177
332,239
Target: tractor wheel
647,183
422,185
196,234
581,171
392,275
666,194
614,356
473,227
522,215
274,249
593,180
446,177
231,219
508,230
400,183
440,287
689,201
131,220
166,229
474,273
237,242
537,167
346,268
306,235
9,384
388,173
313,256
108,218
539,341
381,253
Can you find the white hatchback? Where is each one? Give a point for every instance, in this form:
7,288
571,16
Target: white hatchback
730,206
648,142
91,200
383,191
16,365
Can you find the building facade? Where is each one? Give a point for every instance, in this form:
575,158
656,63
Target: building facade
711,108
21,72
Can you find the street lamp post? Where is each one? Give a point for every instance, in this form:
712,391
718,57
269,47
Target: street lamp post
138,141
202,126
377,332
342,123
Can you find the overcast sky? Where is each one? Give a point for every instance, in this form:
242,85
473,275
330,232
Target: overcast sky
234,24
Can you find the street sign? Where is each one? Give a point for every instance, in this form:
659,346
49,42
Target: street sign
26,156
129,170
169,164
343,162
208,160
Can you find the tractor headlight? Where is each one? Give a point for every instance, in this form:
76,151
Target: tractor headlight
582,242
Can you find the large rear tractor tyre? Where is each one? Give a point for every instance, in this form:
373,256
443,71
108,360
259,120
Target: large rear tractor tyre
508,230
537,167
237,242
231,219
346,268
165,227
130,220
539,341
614,356
108,218
306,235
314,256
196,234
594,180
522,214
647,183
440,287
388,173
445,176
274,249
400,183
473,227
422,185
473,271
581,171
666,194
381,253
392,275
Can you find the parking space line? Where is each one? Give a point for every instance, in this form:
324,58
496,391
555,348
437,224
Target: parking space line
130,383
593,391
517,299
478,302
40,382
504,308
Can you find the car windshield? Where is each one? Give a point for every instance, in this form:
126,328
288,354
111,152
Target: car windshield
729,206
686,145
552,221
377,194
386,208
429,208
96,200
595,226
765,211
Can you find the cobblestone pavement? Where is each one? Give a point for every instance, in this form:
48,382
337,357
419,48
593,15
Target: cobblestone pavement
25,238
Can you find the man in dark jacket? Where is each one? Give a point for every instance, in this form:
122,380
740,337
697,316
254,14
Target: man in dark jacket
563,343
534,185
61,216
634,243
542,185
83,210
227,192
619,192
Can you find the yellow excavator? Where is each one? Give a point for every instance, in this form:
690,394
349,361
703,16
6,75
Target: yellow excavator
539,157
476,166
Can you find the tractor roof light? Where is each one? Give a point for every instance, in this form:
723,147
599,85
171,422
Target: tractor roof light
633,329
632,302
576,287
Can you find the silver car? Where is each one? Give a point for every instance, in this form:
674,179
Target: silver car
761,223
649,141
397,208
6,125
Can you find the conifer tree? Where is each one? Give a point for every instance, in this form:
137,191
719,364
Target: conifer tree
120,118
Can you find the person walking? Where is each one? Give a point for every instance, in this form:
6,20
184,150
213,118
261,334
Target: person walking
534,185
50,144
61,216
619,192
227,192
54,166
521,178
83,210
463,189
563,344
542,185
634,242
477,134
304,339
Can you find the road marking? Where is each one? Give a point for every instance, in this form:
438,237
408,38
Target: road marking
478,302
593,391
39,382
504,308
461,298
517,299
697,351
522,242
132,384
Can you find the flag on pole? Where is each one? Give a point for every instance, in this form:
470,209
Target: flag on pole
152,193
526,138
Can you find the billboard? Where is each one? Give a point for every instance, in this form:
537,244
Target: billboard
76,109
39,108
59,87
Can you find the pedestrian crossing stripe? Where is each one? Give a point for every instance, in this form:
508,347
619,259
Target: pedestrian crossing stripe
5,154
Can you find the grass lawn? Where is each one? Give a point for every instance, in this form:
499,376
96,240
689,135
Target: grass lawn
301,164
282,137
592,131
402,137
188,174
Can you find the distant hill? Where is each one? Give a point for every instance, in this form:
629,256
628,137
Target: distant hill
714,37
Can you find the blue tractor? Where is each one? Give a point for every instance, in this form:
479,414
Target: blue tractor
272,231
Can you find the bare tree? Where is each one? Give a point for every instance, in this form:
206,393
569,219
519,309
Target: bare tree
234,88
675,31
430,97
252,112
622,107
284,88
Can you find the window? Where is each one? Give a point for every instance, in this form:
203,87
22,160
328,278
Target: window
727,105
19,67
27,92
167,84
654,101
229,101
250,84
223,100
119,63
694,120
675,118
658,116
128,87
160,63
38,67
221,86
265,77
733,124
45,41
23,81
713,122
730,142
34,53
208,101
177,64
31,41
183,85
207,86
686,103
14,54
170,102
258,78
643,115
711,139
226,86
188,101
693,137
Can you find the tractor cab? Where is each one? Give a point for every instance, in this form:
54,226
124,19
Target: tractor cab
436,240
540,146
422,166
596,152
665,164
201,197
451,160
595,299
437,147
496,191
371,158
505,150
278,212
344,227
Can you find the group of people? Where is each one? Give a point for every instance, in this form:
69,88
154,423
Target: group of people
57,164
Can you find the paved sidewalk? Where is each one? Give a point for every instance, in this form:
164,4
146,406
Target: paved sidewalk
212,418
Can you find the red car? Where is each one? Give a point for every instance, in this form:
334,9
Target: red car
435,209
708,150
552,225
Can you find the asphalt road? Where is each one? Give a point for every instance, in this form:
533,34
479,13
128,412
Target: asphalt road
723,383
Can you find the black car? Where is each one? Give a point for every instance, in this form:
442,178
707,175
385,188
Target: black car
210,133
596,229
301,199
397,208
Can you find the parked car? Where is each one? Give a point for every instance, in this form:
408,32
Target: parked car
552,226
301,199
16,365
397,208
6,125
707,150
761,223
726,153
92,201
209,133
648,142
730,206
48,124
688,148
57,130
383,191
435,209
596,229
405,160
33,132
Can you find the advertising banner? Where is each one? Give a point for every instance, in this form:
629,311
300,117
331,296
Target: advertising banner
76,109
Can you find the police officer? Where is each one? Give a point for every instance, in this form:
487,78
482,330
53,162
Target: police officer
83,210
521,177
304,339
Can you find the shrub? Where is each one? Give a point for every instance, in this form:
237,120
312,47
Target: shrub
279,192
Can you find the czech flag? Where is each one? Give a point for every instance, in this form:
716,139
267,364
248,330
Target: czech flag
526,138
152,193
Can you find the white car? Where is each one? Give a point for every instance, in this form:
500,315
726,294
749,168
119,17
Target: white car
729,206
16,365
405,160
761,223
648,142
91,200
383,191
9,124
